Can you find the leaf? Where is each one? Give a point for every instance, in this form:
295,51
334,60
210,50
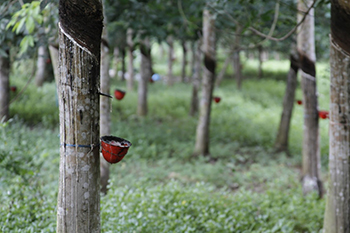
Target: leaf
18,26
30,24
43,4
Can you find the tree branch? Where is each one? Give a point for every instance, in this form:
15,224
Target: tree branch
269,37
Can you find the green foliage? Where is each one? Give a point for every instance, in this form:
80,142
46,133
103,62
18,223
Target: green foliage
24,21
159,187
174,207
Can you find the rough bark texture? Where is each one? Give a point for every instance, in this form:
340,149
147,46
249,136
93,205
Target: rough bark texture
281,143
4,87
105,104
196,79
78,207
41,66
170,79
184,61
146,74
337,214
130,81
202,133
311,149
222,73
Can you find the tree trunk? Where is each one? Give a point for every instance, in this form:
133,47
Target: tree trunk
123,65
105,104
311,148
53,50
202,134
193,58
130,81
5,87
337,214
41,66
170,78
237,66
281,143
222,73
146,74
260,74
184,61
116,61
78,207
196,79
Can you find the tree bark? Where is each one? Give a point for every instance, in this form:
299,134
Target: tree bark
146,74
123,64
237,66
222,73
281,143
184,61
105,104
311,149
5,87
53,50
196,79
260,73
130,81
209,40
78,207
41,66
170,78
337,214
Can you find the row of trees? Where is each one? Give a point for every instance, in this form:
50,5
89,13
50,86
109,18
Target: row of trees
140,21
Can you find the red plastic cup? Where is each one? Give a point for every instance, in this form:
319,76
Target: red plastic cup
119,94
114,149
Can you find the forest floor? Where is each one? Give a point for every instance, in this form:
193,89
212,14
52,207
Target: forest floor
159,187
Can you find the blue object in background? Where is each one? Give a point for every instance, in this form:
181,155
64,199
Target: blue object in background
155,77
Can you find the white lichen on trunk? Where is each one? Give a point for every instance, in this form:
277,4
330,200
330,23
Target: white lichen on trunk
78,204
337,215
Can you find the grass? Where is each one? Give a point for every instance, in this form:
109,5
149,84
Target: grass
159,187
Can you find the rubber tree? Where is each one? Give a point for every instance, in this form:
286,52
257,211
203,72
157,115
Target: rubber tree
170,76
105,104
197,55
337,214
281,142
4,86
209,41
311,139
78,206
146,74
130,49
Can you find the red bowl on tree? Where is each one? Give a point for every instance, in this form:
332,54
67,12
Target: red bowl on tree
323,114
217,99
114,149
119,94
